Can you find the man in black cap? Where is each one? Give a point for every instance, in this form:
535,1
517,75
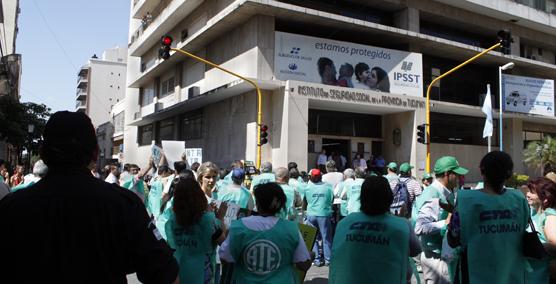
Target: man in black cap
73,228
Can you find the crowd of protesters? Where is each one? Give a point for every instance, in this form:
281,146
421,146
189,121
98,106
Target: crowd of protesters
169,224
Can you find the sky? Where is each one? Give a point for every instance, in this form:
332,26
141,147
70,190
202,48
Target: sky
81,27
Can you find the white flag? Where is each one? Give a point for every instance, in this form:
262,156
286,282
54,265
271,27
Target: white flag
487,109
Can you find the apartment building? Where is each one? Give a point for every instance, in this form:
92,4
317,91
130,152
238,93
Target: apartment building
346,76
101,83
10,64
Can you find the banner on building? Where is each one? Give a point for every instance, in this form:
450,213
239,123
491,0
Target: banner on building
344,64
528,95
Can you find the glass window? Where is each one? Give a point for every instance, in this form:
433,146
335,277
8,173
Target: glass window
459,129
119,122
344,124
145,134
165,130
147,96
167,87
192,126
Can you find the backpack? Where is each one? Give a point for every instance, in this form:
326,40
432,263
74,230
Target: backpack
401,205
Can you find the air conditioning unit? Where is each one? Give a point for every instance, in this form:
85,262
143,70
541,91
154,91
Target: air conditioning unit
136,115
158,107
193,92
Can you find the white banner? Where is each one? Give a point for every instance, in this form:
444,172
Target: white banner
528,95
344,64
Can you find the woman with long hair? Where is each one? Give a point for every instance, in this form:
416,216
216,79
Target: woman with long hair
265,248
541,196
194,231
207,176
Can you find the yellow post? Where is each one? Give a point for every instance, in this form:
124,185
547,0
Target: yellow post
428,118
259,98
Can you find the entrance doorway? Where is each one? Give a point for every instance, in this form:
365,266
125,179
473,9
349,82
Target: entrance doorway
339,147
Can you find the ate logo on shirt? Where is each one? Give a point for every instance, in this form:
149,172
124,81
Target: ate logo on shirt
262,257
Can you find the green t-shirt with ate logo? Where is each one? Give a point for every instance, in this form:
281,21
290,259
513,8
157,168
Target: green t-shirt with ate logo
320,197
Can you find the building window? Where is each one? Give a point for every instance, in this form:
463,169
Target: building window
322,122
192,126
167,87
534,136
469,130
145,134
119,122
146,96
165,130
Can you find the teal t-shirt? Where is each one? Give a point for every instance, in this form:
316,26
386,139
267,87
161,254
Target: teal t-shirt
262,178
239,196
22,186
344,185
194,247
320,197
354,196
154,198
163,218
370,249
289,212
264,256
492,228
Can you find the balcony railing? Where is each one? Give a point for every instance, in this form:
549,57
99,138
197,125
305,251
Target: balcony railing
80,94
148,19
548,6
80,104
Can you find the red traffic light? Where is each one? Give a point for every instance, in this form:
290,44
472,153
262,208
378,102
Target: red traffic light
167,40
264,128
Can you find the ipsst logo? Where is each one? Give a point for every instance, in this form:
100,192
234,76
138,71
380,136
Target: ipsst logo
407,65
295,50
262,257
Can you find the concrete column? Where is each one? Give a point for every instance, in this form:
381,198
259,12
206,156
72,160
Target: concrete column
515,48
265,44
513,142
293,131
407,19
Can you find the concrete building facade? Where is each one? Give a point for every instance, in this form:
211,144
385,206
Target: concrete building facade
181,99
101,84
10,64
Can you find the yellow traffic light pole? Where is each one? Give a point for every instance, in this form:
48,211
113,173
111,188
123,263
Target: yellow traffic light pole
428,117
259,98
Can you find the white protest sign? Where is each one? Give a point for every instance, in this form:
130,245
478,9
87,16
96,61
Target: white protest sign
231,213
528,95
194,155
156,153
173,150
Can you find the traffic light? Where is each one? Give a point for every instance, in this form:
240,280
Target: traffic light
264,135
422,134
505,38
164,51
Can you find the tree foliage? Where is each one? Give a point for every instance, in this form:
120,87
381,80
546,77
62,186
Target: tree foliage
15,118
541,154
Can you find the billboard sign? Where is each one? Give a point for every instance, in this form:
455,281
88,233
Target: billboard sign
528,95
345,64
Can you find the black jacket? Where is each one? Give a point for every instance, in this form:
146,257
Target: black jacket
73,228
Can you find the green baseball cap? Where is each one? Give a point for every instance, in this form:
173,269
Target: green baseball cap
392,166
427,176
449,163
405,168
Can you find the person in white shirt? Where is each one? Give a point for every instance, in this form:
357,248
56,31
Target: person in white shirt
332,176
321,160
113,176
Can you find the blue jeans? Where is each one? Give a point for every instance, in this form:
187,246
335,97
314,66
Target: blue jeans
323,225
